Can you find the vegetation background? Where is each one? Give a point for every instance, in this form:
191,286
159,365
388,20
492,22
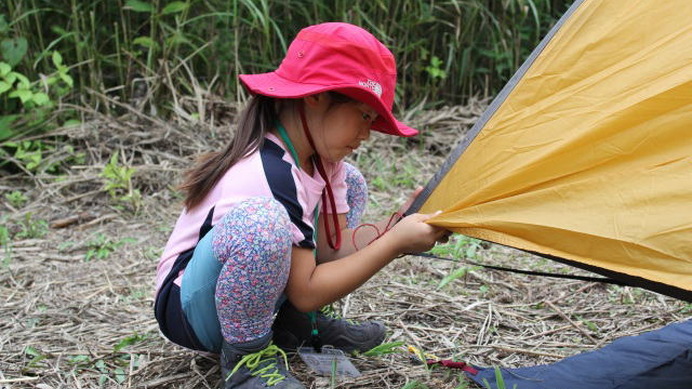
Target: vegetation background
101,54
103,103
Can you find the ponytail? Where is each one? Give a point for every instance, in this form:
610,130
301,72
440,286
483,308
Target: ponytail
254,123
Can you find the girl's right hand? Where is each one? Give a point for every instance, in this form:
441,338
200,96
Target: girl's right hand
413,235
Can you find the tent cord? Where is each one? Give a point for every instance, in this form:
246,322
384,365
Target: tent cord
529,272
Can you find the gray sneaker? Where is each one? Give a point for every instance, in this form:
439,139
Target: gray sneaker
293,329
256,364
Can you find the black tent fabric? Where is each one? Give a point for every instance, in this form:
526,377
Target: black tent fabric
660,359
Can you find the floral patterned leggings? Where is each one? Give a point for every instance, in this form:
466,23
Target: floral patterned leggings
253,244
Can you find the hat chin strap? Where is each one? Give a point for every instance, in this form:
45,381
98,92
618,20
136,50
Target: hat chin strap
328,188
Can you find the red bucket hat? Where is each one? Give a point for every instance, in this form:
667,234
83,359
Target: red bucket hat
337,57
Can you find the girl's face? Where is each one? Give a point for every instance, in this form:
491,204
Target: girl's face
339,128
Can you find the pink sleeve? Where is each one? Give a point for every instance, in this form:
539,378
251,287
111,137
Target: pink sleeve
338,182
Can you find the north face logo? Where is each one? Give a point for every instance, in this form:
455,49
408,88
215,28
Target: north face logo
373,86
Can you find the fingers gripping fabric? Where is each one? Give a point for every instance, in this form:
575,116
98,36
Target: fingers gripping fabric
253,243
356,195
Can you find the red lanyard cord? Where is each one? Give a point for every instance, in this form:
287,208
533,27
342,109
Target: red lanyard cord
396,216
329,194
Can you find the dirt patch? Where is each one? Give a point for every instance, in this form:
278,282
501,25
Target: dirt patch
77,297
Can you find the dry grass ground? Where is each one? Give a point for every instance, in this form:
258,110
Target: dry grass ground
76,302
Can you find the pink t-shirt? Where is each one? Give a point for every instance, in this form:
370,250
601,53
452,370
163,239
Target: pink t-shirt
269,172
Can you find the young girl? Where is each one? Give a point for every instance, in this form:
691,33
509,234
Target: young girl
269,222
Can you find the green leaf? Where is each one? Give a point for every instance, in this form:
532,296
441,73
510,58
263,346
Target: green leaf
79,359
11,78
456,274
23,94
129,341
4,27
385,348
67,79
14,49
5,69
144,41
139,6
57,59
24,82
175,7
4,87
72,123
120,375
177,39
6,126
41,99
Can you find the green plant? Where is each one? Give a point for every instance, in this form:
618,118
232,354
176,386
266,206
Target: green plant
31,228
16,198
36,103
118,182
415,385
150,51
27,155
499,381
100,247
384,348
115,368
456,274
463,383
686,309
35,356
5,242
459,246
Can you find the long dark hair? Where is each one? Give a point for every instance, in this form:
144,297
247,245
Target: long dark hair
256,120
258,117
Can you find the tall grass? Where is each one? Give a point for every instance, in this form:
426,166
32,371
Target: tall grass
138,49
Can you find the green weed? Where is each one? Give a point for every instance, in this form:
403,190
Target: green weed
499,381
115,368
5,242
31,228
384,349
456,274
458,247
16,198
415,385
118,182
101,247
35,356
143,51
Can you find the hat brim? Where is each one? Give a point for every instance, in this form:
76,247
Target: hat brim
272,85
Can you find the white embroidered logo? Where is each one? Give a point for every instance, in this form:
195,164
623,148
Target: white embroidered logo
373,86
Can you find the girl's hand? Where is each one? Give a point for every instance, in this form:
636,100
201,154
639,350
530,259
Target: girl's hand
413,235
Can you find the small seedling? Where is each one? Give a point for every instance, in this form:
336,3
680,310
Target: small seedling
5,242
383,349
101,247
499,381
118,182
16,198
35,355
458,273
32,228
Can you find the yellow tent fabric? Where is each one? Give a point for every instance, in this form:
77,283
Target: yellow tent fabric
589,156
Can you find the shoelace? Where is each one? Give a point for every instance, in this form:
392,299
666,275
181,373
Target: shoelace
330,312
269,372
